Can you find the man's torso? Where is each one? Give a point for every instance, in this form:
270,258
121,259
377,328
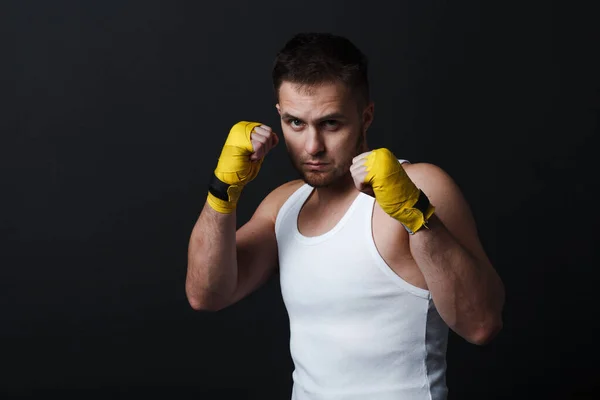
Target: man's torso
361,320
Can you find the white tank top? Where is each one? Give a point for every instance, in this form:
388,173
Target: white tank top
357,330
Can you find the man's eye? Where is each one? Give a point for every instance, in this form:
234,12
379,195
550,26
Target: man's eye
295,123
331,124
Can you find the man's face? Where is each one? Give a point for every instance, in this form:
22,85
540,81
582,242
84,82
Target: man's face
323,130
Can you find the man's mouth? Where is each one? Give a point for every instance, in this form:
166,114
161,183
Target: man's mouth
312,165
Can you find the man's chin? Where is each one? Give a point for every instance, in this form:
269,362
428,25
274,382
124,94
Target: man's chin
318,179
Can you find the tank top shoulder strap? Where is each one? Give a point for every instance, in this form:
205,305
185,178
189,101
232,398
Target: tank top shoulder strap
296,199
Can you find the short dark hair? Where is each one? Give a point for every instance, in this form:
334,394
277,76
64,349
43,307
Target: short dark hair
312,58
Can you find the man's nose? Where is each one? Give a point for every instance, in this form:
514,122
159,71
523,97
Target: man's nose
314,142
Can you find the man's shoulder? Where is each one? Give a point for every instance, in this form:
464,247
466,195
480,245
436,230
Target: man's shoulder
424,171
434,181
281,193
273,201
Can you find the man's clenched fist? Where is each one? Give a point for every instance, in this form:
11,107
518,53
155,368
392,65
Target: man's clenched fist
263,140
239,163
380,172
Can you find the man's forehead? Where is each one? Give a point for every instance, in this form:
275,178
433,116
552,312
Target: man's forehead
324,89
316,103
329,111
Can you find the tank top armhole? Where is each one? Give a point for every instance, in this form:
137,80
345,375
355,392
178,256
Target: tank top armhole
381,263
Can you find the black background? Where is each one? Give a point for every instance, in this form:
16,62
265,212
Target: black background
114,113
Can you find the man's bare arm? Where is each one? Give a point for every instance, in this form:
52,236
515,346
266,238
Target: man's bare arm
465,288
224,265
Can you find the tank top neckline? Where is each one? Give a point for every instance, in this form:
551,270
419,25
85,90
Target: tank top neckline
308,190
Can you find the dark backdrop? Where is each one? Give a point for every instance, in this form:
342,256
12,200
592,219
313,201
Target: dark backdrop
115,112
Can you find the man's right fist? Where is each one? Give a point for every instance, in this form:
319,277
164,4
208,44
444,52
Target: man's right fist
263,140
239,163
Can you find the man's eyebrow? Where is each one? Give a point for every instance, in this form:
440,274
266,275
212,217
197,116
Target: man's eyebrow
287,115
335,115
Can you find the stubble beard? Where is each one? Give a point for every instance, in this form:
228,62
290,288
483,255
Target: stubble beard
324,179
331,177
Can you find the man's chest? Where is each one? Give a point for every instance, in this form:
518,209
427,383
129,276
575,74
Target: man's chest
344,235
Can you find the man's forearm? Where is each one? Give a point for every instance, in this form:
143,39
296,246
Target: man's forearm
467,292
212,260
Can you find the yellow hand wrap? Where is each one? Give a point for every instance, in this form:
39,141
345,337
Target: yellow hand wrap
234,168
397,195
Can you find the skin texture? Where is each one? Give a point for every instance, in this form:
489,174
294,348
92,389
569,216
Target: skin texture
324,125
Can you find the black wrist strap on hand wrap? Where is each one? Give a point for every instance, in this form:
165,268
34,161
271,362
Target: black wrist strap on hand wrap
422,202
218,188
422,205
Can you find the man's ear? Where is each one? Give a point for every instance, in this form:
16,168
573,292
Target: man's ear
278,108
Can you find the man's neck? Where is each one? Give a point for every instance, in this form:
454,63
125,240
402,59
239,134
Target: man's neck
338,192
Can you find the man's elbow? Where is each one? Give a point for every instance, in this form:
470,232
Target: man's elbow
486,333
200,302
198,305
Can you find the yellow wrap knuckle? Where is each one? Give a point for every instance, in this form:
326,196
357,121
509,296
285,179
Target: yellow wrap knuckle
239,135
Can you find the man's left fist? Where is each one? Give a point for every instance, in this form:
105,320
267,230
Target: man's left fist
380,171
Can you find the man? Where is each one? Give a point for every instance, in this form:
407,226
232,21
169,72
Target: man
377,257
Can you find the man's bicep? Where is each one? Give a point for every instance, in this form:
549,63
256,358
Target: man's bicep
256,254
452,208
